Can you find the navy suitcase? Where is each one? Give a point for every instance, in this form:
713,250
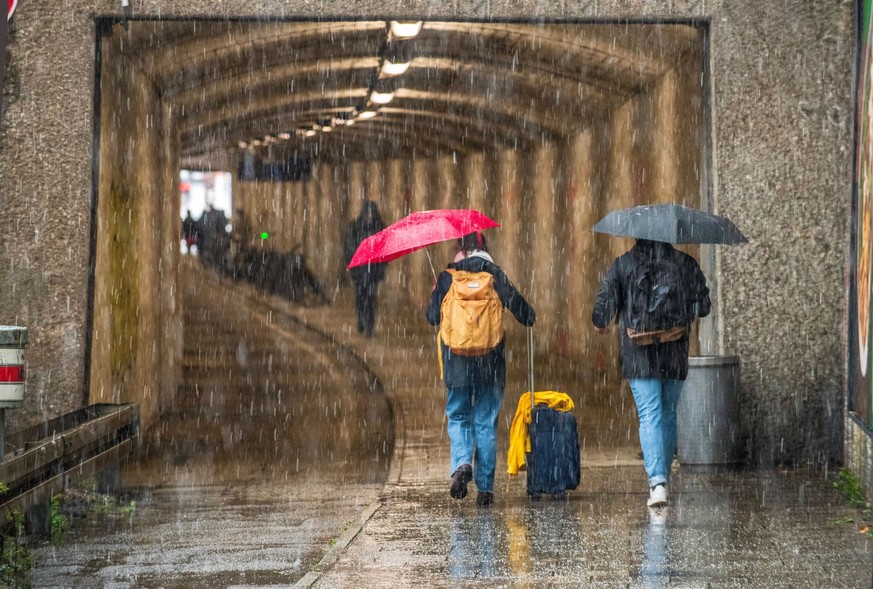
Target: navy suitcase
553,461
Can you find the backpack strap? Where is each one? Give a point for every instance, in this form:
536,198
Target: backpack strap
438,340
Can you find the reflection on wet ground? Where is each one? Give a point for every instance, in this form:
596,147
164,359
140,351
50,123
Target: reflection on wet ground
749,529
277,438
206,536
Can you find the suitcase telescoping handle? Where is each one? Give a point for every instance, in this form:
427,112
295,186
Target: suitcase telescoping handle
530,366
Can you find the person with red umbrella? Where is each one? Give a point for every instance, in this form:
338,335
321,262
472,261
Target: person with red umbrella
467,303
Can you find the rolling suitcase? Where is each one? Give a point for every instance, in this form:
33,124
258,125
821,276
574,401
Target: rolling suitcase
553,460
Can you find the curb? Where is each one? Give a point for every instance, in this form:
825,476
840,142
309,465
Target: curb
336,551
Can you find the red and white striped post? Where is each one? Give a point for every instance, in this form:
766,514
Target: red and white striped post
12,375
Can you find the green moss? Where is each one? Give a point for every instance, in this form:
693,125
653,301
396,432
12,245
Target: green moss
123,281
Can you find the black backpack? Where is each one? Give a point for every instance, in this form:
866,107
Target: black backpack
655,298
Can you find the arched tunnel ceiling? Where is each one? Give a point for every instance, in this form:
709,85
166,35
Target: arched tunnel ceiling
470,86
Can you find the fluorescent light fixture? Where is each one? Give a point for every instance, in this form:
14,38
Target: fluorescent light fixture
285,136
394,69
367,114
381,97
405,30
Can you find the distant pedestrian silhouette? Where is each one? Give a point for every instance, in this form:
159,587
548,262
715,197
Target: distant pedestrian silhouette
214,239
190,232
368,276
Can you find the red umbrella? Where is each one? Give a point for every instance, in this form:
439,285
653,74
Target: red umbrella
419,230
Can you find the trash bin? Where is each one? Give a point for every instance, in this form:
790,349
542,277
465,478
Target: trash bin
12,342
708,414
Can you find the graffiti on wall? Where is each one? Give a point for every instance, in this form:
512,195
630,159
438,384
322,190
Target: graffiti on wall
860,325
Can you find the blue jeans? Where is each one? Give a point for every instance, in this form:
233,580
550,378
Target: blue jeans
656,401
472,413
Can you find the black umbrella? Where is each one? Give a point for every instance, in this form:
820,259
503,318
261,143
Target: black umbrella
671,223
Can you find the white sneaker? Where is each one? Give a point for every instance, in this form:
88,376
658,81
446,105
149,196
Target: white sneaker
657,496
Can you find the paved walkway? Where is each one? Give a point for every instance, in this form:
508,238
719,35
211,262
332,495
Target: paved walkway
767,529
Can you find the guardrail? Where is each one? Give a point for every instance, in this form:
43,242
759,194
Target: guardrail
48,458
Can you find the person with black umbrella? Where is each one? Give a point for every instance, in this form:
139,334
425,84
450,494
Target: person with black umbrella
653,292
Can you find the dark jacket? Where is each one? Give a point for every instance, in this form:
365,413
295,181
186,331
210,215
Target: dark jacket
368,223
668,360
489,369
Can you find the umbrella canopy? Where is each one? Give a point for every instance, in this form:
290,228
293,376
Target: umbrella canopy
671,223
418,230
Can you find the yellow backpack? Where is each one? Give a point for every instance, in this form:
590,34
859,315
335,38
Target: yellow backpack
471,314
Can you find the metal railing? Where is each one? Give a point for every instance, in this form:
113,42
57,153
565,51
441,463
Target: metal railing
48,458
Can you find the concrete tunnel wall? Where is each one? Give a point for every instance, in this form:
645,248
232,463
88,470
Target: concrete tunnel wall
781,151
137,332
546,199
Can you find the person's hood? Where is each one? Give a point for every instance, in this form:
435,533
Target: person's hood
474,262
461,255
653,249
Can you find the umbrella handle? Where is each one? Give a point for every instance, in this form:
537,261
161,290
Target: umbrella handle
432,271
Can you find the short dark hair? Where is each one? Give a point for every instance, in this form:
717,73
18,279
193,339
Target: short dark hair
473,241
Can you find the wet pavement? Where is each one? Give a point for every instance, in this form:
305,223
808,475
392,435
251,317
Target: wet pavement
740,530
330,514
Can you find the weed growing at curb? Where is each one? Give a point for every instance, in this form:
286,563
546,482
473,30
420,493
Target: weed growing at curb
59,522
129,510
850,488
15,558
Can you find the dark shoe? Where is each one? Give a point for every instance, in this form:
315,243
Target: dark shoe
460,478
484,498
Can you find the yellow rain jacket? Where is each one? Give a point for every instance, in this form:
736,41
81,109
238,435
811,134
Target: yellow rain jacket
519,440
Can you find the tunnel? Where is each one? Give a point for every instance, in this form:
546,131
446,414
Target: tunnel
546,116
545,126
